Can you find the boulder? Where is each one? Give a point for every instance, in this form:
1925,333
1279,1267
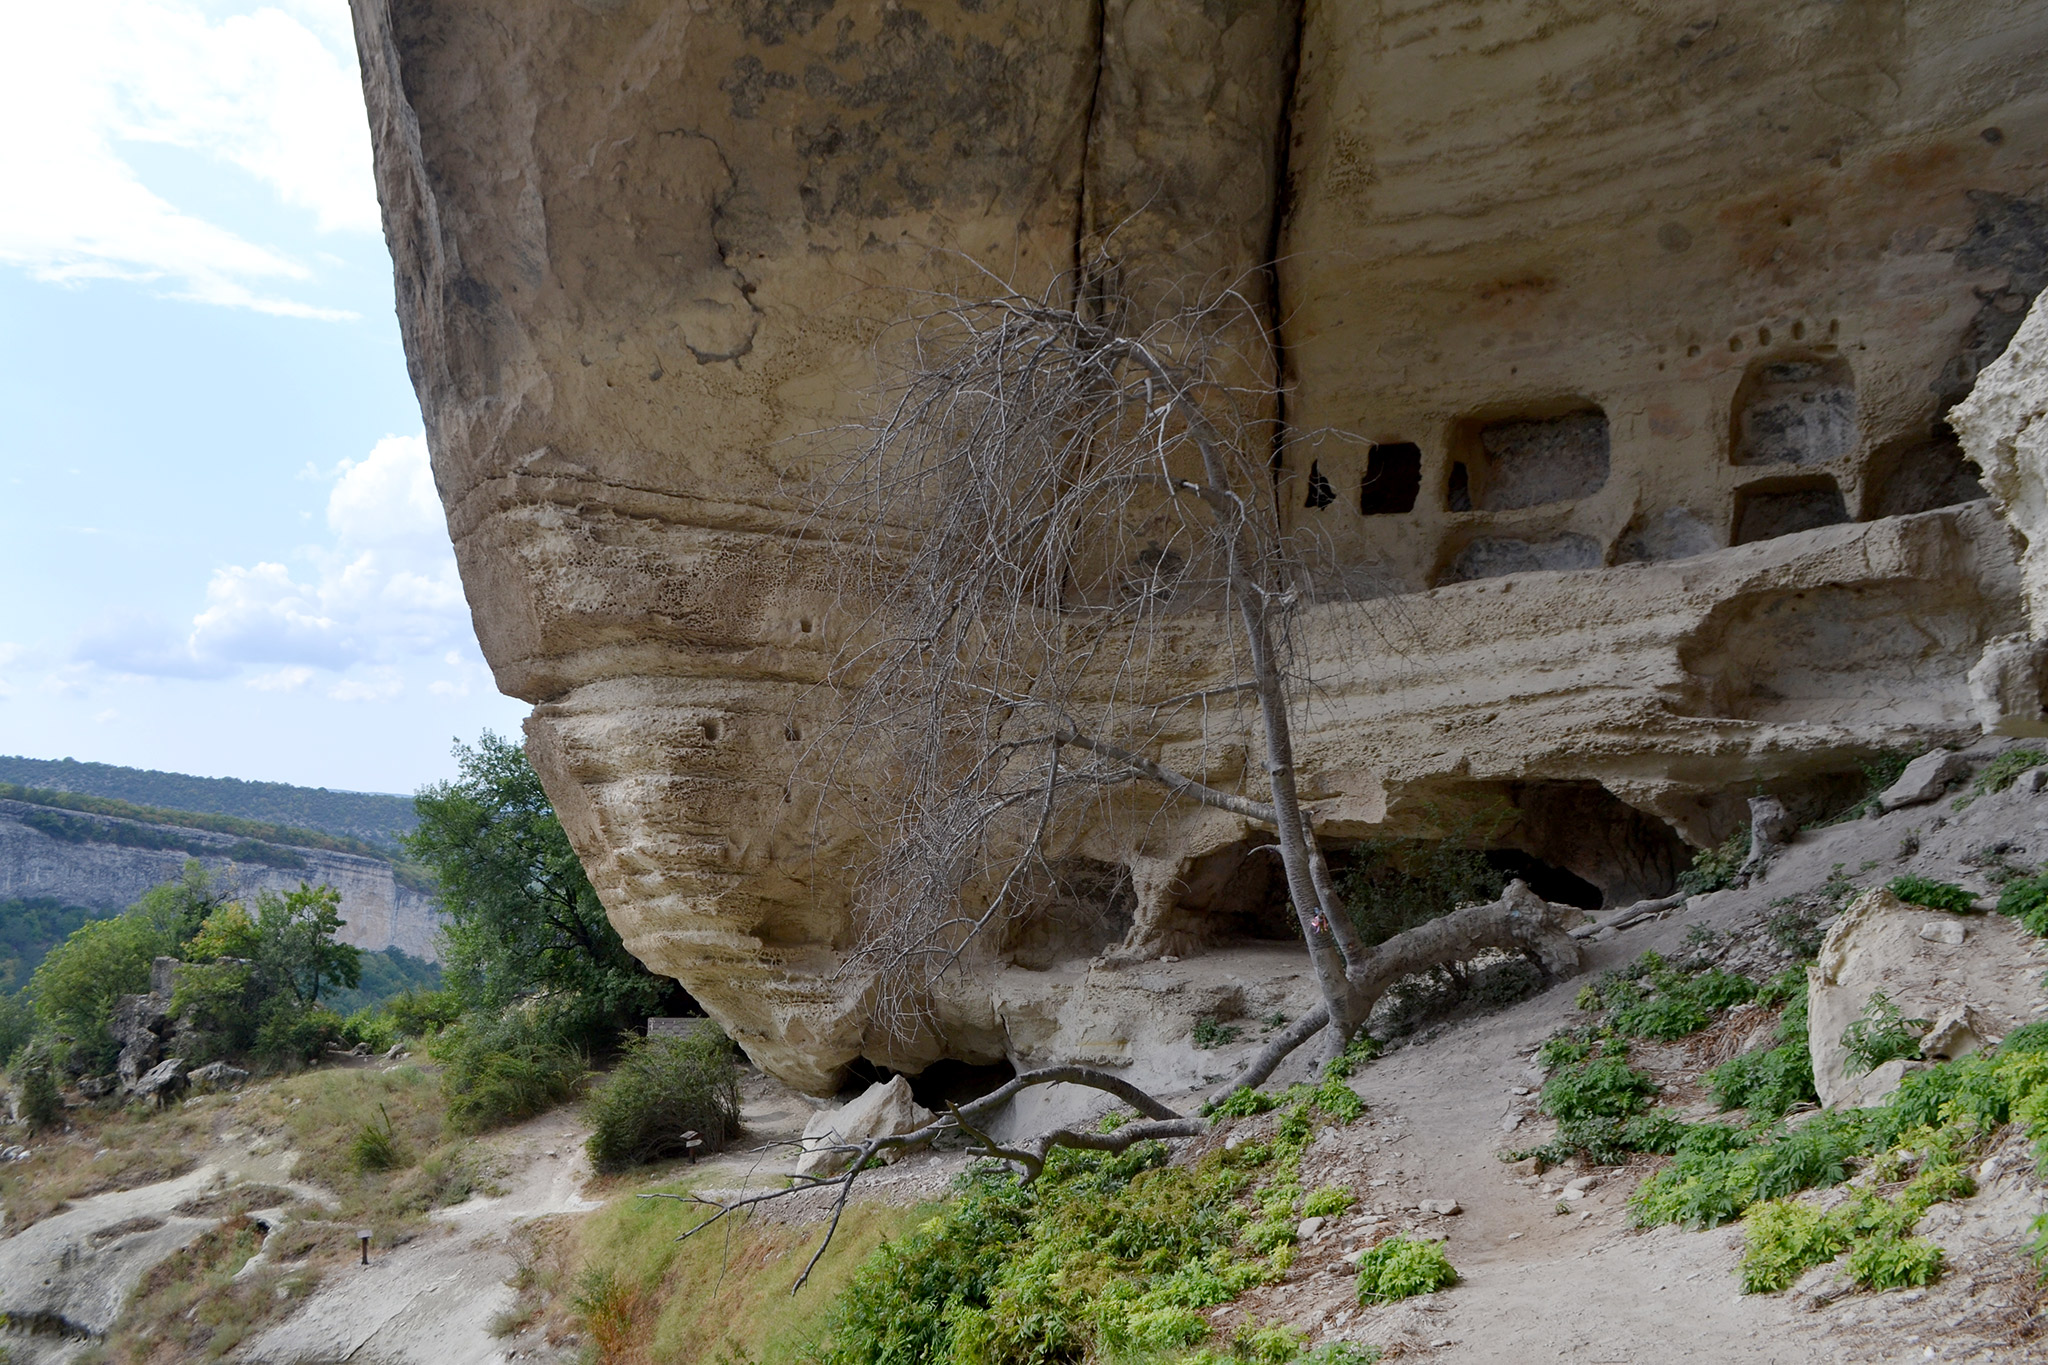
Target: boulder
161,1083
216,1076
882,1110
1974,991
1925,779
141,1024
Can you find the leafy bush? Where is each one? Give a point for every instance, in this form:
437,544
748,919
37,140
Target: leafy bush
1715,869
422,1014
37,1097
1604,1087
1209,1033
292,1033
660,1089
1894,1262
1881,1035
2026,900
1651,998
1327,1202
500,1070
1343,1353
1399,1268
1393,885
1933,894
1783,1239
370,1026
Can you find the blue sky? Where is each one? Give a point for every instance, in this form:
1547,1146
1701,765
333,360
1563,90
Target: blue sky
224,553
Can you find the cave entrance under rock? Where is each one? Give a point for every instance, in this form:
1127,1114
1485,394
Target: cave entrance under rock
946,1081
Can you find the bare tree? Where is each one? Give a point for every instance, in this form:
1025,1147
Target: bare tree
1063,559
1064,587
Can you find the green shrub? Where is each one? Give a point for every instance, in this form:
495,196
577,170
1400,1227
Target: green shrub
1211,1034
1343,1353
1327,1202
422,1014
1880,1035
1894,1262
17,1023
1782,1240
2000,773
292,1033
37,1096
659,1089
1715,869
2026,900
1393,885
370,1026
1604,1087
1766,1082
1399,1268
1933,894
500,1070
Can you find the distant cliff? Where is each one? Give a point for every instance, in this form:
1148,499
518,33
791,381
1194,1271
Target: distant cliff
103,862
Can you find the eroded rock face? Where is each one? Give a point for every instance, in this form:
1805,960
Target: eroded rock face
1651,323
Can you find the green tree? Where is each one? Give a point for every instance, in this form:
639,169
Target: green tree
79,983
522,918
295,946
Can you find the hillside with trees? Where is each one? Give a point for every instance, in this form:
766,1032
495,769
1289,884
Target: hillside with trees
372,817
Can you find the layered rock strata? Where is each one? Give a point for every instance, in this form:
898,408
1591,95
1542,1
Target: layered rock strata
106,863
1646,327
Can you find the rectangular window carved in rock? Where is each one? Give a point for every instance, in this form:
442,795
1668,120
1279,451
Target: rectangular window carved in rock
1393,478
1528,462
1795,412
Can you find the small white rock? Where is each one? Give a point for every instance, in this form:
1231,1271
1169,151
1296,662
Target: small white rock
1583,1184
1308,1228
1948,931
1573,1193
1442,1208
1510,1123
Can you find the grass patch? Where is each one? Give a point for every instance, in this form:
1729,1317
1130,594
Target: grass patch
2000,773
1211,1033
190,1307
108,1147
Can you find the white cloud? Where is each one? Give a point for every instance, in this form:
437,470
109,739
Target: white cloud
382,591
82,86
281,679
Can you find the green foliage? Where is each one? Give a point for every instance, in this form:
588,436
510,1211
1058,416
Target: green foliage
371,1028
1362,1048
659,1089
499,1069
295,947
1881,1034
37,1098
1103,1257
1655,999
1604,1087
421,1014
1933,894
1715,869
29,929
78,984
17,1024
1393,885
2026,900
375,1146
1343,1353
295,1033
386,974
1782,1240
1399,1268
1209,1033
522,918
1327,1202
2000,773
1895,1262
1766,1082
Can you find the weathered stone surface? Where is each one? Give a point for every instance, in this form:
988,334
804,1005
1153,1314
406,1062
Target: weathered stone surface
216,1076
882,1110
1972,993
642,246
161,1083
141,1024
1925,779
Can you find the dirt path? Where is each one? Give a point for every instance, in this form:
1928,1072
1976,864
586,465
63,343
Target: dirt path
434,1300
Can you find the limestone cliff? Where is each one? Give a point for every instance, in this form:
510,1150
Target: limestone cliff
104,863
1651,321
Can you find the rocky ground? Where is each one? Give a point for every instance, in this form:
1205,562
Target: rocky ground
1550,1266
